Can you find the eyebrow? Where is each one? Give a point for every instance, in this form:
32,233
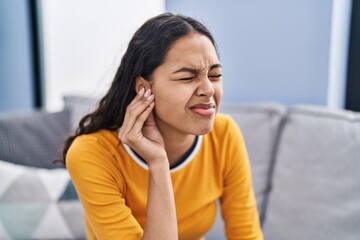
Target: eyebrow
196,71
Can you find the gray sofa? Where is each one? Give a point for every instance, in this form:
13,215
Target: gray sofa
305,163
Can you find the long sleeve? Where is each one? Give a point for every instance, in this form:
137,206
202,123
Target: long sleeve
238,201
100,190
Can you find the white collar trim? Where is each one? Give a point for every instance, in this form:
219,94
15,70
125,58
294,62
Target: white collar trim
182,165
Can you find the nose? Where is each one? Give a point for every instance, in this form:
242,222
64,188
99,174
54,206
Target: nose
205,88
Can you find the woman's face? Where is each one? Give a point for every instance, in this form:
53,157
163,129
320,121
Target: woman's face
188,86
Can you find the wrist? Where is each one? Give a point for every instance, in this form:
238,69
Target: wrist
160,163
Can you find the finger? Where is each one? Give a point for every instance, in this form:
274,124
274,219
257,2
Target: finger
139,101
142,95
128,133
138,107
133,112
143,118
134,104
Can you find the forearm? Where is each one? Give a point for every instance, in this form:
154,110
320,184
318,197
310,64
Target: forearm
161,220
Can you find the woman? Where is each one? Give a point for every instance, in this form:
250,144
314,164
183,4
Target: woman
153,158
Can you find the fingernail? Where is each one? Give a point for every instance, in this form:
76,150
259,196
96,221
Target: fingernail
151,97
141,92
147,93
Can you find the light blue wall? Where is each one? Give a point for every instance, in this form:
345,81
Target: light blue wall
270,50
16,89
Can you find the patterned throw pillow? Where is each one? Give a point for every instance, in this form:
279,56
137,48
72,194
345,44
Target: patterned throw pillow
34,138
37,203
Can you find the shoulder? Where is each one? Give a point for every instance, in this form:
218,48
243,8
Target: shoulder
224,125
225,131
224,121
92,165
98,140
88,150
99,136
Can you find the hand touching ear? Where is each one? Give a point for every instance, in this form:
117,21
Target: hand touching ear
141,133
139,130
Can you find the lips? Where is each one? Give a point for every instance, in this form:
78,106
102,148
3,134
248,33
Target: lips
204,109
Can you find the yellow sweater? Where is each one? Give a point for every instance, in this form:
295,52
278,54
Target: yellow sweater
112,185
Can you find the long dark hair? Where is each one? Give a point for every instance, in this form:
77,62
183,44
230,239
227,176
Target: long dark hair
146,51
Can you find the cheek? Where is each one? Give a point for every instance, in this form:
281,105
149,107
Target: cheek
164,100
218,91
171,101
162,96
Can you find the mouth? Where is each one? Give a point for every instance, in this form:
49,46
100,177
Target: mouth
204,109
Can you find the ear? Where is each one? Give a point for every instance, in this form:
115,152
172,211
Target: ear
141,82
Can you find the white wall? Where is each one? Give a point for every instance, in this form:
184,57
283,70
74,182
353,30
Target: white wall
84,41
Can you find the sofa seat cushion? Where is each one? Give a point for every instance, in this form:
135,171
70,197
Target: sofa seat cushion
33,138
259,124
316,181
38,204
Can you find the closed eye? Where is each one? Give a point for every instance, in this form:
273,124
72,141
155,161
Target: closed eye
215,76
187,79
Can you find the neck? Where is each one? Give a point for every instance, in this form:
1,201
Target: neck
176,144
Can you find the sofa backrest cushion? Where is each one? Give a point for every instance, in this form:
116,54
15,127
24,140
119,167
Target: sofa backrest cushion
38,203
79,106
33,138
259,124
316,181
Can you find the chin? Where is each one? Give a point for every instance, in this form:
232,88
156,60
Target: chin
203,132
203,129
